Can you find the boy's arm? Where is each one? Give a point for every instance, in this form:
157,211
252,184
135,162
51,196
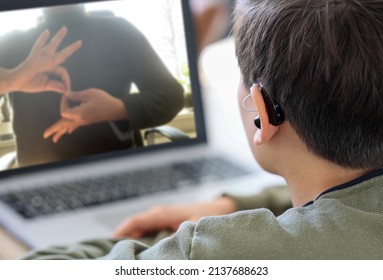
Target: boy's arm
87,250
169,217
178,246
277,199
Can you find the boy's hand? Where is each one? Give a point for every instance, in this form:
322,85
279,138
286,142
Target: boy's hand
170,217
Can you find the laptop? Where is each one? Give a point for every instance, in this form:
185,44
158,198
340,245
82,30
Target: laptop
85,197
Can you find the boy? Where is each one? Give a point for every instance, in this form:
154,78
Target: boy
313,72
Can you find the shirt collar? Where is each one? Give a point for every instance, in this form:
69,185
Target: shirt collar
349,184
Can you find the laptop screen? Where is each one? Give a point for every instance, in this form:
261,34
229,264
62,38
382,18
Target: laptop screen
124,81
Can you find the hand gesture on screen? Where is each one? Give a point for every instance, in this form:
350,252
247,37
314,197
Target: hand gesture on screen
41,70
170,217
91,106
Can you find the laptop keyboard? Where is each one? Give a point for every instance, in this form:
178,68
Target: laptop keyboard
68,196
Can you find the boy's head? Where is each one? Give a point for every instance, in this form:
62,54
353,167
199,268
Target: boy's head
322,62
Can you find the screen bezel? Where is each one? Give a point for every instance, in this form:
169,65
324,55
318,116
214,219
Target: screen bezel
201,136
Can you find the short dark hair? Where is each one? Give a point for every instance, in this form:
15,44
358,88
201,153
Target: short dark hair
322,60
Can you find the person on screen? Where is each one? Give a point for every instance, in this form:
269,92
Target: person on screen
311,100
114,55
35,73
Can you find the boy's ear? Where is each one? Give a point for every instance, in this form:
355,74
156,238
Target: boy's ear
267,130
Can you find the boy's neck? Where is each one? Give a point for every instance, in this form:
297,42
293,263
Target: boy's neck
306,185
308,175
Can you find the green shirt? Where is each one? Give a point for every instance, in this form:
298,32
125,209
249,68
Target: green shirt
345,222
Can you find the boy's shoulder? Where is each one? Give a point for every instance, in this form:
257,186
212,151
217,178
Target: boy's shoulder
329,228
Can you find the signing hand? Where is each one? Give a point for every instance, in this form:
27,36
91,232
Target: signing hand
35,73
94,106
170,217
